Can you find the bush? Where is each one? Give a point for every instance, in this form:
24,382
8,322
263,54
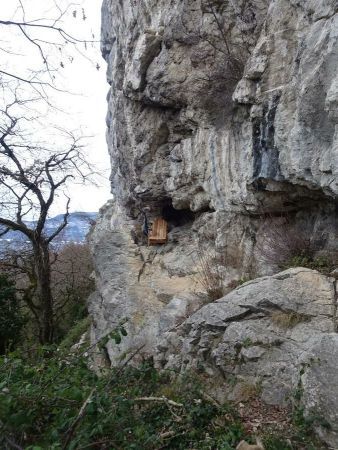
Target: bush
40,404
55,402
210,273
74,334
286,245
324,264
11,318
283,242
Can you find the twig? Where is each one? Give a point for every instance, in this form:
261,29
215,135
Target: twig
159,399
174,435
71,430
13,444
170,404
93,444
130,358
167,434
210,399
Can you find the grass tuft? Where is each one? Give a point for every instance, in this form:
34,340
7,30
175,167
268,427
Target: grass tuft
288,319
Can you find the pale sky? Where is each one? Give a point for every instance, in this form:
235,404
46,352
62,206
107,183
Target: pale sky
83,110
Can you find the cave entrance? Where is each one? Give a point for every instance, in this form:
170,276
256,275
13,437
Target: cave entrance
177,217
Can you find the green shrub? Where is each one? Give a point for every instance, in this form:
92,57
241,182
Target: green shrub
74,334
39,405
323,264
127,409
11,318
56,402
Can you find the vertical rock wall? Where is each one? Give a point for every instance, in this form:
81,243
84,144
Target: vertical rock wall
220,113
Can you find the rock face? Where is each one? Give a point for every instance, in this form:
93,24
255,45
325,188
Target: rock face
276,335
222,117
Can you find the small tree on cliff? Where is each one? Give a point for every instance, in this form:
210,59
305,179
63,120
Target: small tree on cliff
33,175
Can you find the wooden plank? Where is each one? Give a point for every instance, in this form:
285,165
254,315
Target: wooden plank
158,233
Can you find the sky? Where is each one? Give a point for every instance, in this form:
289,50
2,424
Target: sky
81,72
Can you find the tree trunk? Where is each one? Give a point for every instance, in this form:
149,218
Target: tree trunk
43,290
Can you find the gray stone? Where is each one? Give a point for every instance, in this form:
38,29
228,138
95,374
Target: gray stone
320,386
248,334
218,130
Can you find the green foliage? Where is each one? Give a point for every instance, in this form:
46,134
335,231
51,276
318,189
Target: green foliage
247,342
321,263
299,439
128,409
276,443
116,335
56,402
11,319
40,402
75,333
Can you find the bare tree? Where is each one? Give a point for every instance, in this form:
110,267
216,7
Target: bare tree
33,175
37,161
71,284
47,39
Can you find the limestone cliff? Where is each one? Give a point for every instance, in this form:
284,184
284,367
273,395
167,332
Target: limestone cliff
221,114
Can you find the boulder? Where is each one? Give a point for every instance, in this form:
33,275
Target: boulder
277,333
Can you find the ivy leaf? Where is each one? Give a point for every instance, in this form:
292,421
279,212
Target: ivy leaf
123,331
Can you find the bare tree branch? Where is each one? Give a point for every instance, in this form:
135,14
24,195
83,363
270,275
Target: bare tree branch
62,226
31,177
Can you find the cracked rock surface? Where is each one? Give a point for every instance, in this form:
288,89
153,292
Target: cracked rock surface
222,117
276,334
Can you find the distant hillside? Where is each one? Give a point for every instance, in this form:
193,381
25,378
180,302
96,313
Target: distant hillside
76,230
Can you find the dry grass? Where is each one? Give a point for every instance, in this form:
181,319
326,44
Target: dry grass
248,391
288,319
283,242
211,273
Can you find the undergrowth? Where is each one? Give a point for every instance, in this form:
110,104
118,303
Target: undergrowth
41,402
211,273
322,264
56,402
75,333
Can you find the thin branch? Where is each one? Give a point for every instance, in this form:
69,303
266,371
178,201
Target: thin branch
219,25
159,399
70,432
16,227
23,11
33,41
32,82
59,30
12,444
2,233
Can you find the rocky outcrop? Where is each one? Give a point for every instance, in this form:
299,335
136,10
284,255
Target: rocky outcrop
144,285
276,336
222,117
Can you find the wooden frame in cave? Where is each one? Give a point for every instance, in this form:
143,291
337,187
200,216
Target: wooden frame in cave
159,232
